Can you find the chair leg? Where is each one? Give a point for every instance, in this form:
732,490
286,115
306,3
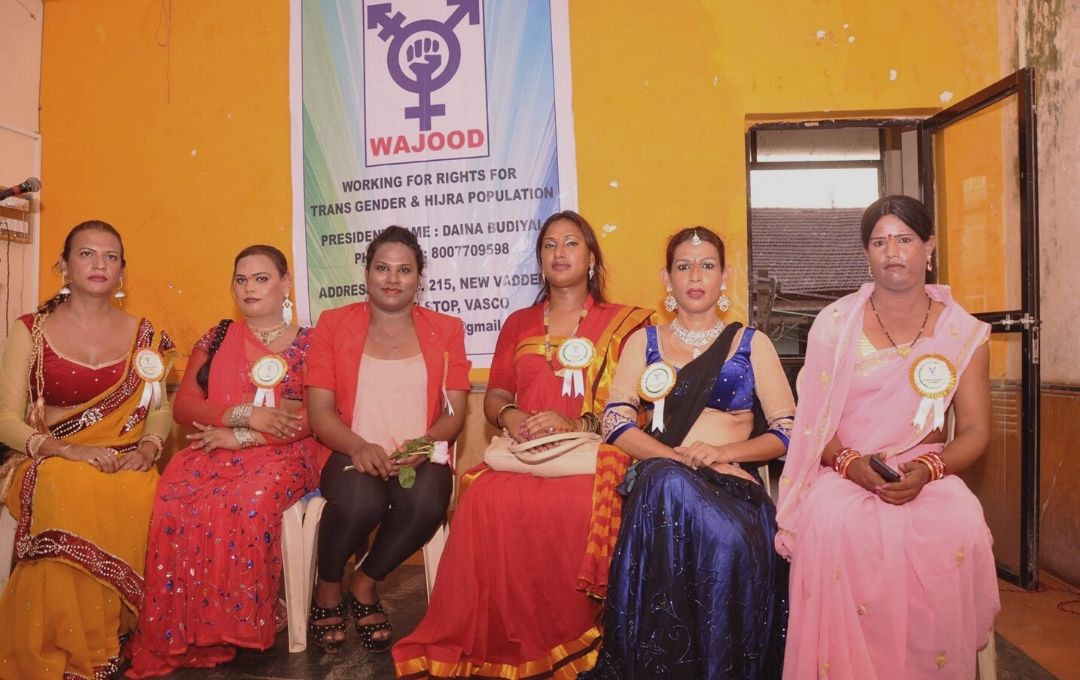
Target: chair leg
7,544
987,659
312,516
433,550
294,561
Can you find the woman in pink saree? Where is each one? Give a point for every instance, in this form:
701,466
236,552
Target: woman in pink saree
889,580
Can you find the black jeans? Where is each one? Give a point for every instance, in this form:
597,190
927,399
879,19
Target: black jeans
357,503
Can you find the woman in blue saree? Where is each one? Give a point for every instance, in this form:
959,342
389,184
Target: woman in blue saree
695,589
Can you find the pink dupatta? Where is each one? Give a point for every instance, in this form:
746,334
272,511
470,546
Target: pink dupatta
230,374
883,420
880,591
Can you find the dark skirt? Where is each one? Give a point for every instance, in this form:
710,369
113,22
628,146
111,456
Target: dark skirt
696,589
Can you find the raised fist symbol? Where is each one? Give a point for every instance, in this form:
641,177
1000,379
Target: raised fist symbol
423,58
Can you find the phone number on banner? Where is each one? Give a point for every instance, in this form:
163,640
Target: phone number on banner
470,250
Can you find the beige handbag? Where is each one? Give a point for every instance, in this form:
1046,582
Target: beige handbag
574,454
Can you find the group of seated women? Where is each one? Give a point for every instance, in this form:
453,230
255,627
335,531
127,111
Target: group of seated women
663,557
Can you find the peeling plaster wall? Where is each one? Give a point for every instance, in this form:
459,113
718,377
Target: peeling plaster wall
1052,34
1048,38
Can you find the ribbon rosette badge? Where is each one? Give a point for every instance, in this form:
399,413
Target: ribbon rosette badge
657,381
150,366
266,373
575,355
932,377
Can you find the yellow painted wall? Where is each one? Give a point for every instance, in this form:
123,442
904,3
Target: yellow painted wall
186,148
183,147
661,97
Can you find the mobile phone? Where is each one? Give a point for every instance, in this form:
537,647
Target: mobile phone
886,472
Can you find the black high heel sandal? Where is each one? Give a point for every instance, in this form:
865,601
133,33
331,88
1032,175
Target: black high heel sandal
318,631
366,631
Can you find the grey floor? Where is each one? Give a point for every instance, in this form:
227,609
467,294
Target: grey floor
404,597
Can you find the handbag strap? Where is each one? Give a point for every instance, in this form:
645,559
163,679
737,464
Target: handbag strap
524,447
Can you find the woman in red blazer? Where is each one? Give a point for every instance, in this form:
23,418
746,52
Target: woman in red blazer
380,373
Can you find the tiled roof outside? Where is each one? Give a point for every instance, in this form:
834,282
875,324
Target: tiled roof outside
809,250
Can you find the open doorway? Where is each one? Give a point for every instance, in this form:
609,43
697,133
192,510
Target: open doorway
808,183
974,165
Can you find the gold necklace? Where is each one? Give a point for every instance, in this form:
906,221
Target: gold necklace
268,335
547,335
902,351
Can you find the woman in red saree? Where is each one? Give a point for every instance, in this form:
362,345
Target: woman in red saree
509,599
81,401
889,580
214,555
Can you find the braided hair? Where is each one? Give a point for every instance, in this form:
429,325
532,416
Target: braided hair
203,376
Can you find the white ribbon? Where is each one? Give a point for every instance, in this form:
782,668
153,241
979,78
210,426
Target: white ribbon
938,406
264,396
151,395
573,379
658,415
446,400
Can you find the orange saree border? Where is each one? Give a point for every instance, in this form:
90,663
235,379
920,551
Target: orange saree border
564,662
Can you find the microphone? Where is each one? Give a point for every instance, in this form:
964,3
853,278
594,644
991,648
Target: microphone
32,184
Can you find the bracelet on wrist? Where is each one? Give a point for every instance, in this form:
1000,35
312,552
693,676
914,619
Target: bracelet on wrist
34,442
935,464
240,415
155,440
499,415
245,436
590,422
843,460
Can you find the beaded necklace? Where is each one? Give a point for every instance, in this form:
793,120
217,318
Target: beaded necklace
902,351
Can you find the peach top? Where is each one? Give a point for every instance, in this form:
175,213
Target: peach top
391,404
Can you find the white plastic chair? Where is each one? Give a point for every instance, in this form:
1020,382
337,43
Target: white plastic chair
7,545
299,534
986,659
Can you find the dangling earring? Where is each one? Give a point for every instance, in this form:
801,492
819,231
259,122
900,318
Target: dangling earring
724,303
591,272
869,270
286,311
670,303
66,288
120,294
929,266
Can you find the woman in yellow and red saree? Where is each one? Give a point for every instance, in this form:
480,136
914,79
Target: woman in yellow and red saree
511,599
82,403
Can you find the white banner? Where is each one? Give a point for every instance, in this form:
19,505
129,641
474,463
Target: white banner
451,118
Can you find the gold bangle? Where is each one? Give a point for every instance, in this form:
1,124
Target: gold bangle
157,441
590,422
34,442
499,415
245,437
240,416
